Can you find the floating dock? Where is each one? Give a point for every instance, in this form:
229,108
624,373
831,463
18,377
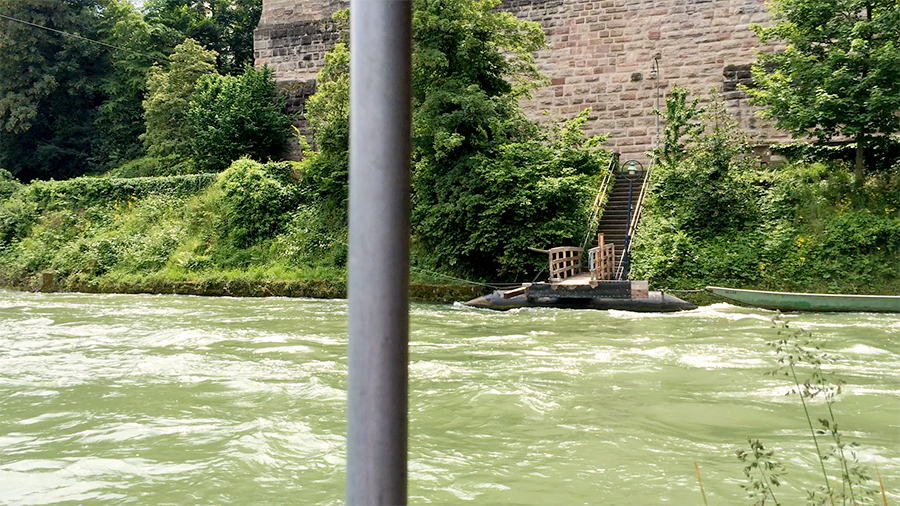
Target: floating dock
581,292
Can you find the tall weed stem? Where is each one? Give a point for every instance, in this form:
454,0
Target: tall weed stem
811,429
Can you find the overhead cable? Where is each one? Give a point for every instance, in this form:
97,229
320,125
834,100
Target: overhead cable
75,36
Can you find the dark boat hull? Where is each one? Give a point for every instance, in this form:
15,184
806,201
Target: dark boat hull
655,302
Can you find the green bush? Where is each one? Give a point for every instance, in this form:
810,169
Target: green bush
8,184
89,191
16,217
150,166
313,236
700,186
255,203
235,116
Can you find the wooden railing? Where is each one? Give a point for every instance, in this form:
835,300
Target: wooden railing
565,262
602,260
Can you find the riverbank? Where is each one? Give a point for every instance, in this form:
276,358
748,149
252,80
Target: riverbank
806,229
316,289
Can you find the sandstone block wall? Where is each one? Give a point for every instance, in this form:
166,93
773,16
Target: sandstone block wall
292,38
600,55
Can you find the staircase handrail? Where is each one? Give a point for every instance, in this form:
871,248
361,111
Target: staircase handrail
597,207
632,225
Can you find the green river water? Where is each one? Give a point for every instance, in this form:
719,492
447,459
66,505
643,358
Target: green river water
170,400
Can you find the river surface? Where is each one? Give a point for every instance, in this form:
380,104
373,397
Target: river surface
172,400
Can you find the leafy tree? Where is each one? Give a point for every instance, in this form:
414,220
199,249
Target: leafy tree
487,182
328,112
169,91
699,186
533,192
49,87
234,116
838,74
224,26
121,116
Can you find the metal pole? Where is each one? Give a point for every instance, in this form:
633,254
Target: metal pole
658,78
378,320
628,224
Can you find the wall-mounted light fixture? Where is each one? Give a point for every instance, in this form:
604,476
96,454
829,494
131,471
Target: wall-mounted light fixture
654,75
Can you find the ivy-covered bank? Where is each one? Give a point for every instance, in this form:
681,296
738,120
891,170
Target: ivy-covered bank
255,230
249,231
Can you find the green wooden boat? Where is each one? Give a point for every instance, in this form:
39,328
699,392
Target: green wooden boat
787,301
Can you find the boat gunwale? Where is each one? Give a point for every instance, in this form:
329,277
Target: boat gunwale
800,294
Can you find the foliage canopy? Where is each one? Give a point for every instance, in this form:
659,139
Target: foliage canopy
223,26
50,86
235,116
487,182
73,74
838,74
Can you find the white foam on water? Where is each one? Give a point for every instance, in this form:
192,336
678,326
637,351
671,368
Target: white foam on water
862,349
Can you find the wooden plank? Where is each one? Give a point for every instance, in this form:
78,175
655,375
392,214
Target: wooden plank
515,291
585,289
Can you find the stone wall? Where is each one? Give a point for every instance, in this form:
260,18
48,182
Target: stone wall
601,55
292,38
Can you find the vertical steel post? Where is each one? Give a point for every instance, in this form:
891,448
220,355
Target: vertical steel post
656,58
378,320
628,229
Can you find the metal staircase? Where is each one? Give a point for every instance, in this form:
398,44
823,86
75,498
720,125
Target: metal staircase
622,212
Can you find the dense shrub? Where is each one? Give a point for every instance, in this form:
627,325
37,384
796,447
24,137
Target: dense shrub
235,116
16,217
700,186
532,194
815,230
256,198
150,166
8,184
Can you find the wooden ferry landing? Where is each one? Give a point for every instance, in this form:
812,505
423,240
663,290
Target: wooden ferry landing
571,287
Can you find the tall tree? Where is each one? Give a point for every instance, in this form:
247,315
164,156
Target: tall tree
169,91
487,182
137,46
49,86
838,74
224,26
235,116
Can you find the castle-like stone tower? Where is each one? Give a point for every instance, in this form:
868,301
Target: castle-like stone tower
615,56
